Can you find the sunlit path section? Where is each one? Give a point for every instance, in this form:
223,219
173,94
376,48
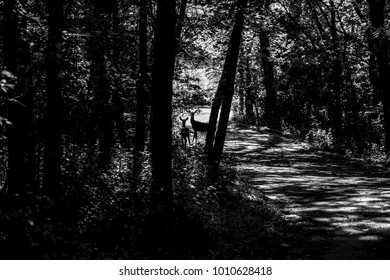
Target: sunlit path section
342,208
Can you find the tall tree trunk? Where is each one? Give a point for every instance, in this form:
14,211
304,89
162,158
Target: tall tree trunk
180,23
352,108
249,94
21,149
53,149
271,110
240,87
103,114
380,48
224,95
337,78
118,107
372,68
139,137
161,105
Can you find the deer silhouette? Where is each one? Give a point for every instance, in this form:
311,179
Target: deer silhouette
197,126
184,132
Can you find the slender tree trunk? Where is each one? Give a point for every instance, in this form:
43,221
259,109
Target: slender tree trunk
373,73
249,94
271,110
380,47
139,137
53,149
240,88
352,107
241,99
118,110
118,107
337,78
161,105
103,114
180,23
224,95
21,147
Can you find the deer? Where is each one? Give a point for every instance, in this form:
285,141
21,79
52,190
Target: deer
184,132
197,126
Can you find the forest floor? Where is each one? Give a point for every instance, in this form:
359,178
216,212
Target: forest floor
335,208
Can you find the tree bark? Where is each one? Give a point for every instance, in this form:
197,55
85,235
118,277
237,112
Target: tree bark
180,23
337,78
224,95
21,148
118,107
240,89
53,149
139,137
271,110
380,49
161,106
249,94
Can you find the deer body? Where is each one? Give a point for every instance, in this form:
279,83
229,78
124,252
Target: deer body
184,132
197,126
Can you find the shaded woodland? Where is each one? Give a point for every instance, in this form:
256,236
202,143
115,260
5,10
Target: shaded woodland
100,102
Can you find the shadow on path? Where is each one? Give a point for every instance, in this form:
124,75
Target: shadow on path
336,209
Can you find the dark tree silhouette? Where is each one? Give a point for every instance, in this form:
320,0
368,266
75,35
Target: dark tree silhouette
380,48
53,117
17,62
337,72
139,137
224,95
161,104
103,113
271,114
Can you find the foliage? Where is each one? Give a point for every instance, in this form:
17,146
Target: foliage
314,55
304,52
107,215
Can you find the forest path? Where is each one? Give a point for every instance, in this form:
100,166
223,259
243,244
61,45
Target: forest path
335,208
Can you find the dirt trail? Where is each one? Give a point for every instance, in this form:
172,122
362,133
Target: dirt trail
336,209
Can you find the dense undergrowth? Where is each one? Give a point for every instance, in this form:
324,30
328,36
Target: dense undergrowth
107,214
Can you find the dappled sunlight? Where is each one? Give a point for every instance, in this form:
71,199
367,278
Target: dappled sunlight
313,189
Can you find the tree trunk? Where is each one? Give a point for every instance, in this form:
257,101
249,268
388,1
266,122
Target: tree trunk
21,147
249,94
102,109
118,107
161,106
372,68
139,137
224,95
180,23
53,150
337,78
240,89
380,46
271,110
